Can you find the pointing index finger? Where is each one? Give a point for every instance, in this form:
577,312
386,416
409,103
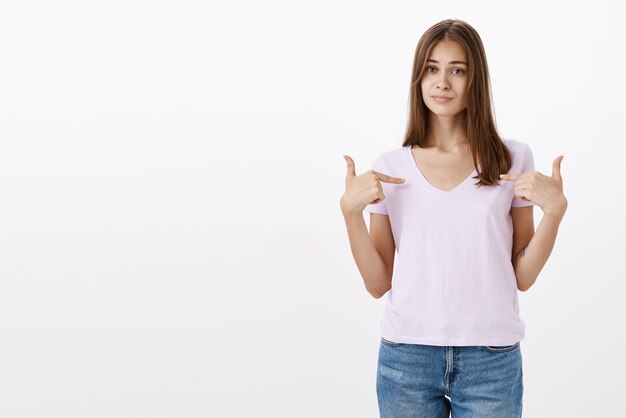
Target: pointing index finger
388,179
510,176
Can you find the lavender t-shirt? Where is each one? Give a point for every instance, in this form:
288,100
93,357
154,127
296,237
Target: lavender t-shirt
453,281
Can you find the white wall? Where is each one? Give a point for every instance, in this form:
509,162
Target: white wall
171,243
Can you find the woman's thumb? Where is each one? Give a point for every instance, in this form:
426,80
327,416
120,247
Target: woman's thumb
351,171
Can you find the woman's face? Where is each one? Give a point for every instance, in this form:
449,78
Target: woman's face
445,75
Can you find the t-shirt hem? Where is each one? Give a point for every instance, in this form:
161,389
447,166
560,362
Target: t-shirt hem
375,211
452,341
522,205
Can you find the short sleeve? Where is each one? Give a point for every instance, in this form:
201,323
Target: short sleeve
380,207
528,165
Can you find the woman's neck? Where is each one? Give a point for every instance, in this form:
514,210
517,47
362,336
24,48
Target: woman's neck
445,132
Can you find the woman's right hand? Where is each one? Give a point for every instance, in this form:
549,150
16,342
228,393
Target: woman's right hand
364,189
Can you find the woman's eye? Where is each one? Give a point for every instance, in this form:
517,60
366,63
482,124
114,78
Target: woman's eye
456,69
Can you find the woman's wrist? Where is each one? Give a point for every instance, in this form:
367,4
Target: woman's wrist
556,210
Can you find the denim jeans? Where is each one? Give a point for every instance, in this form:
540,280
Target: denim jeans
427,381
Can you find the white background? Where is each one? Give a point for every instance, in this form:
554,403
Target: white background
171,242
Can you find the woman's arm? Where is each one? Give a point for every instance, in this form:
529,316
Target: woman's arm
373,251
547,193
530,259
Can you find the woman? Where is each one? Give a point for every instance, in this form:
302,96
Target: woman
464,235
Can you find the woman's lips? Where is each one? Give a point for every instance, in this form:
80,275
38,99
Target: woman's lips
441,99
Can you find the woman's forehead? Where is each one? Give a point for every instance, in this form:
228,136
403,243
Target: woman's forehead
447,51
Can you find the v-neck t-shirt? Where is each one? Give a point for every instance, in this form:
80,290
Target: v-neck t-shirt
453,281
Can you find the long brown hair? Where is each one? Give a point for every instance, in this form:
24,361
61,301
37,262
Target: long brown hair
485,144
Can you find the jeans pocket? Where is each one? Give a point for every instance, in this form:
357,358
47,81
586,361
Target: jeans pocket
501,348
389,343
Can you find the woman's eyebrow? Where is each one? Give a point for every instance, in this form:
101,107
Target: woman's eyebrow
451,62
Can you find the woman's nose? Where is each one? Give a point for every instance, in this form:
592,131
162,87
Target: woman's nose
442,83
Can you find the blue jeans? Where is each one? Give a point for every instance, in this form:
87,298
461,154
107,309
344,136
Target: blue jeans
427,381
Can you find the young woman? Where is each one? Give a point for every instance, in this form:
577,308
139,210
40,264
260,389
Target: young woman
456,204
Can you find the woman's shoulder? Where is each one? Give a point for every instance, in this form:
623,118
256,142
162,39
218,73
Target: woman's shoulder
514,143
517,147
390,156
522,155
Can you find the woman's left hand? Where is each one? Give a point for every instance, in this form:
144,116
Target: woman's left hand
546,192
